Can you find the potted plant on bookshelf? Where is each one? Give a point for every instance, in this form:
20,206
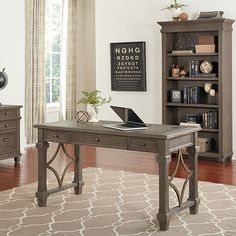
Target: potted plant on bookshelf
176,9
93,100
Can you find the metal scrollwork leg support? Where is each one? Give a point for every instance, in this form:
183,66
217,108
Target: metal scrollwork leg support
180,195
72,160
42,193
166,181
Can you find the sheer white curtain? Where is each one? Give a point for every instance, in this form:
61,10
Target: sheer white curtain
34,67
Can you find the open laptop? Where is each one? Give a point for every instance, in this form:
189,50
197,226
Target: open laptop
130,118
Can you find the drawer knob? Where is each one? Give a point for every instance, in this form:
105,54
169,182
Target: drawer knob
6,125
6,113
142,144
96,140
5,140
56,136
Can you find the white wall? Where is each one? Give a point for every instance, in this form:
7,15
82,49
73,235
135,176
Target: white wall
12,54
135,20
86,47
86,44
127,21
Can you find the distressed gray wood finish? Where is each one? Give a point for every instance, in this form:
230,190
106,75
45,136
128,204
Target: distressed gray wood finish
42,146
159,139
78,178
10,132
221,29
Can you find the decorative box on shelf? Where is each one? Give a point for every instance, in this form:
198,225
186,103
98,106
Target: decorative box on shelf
208,48
206,44
204,144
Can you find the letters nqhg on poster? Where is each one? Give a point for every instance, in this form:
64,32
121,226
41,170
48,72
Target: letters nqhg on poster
128,66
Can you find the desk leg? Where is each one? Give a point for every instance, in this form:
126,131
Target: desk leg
164,215
42,193
193,181
78,178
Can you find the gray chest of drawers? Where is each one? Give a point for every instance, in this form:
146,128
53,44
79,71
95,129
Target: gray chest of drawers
10,132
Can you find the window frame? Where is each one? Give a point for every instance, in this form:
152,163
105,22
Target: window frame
51,106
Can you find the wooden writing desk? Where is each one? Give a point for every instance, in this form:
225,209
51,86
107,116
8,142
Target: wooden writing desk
159,139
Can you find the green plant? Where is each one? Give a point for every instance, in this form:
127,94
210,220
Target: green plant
175,5
93,98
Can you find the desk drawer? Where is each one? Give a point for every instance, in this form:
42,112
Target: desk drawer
56,136
7,124
8,114
142,144
98,140
8,142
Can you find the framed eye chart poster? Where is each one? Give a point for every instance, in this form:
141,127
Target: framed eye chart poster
128,66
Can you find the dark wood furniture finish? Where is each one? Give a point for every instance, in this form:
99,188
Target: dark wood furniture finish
173,113
10,132
160,139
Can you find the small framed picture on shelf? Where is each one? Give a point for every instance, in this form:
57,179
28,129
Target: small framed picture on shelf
176,95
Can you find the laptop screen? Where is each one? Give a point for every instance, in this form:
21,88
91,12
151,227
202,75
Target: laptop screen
128,116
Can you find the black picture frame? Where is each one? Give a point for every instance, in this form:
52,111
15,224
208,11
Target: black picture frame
128,66
176,95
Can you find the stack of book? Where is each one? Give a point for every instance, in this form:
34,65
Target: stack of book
192,94
193,118
210,120
193,68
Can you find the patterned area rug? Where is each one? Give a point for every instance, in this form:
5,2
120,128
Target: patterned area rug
115,203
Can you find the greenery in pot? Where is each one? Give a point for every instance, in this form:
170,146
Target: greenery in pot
175,5
94,98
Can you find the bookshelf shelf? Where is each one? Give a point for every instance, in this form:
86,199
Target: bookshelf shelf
210,130
191,54
210,155
192,79
192,105
192,100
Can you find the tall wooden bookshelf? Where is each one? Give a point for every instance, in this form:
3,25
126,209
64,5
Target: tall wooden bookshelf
185,35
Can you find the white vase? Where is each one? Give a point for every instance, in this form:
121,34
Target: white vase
93,113
175,12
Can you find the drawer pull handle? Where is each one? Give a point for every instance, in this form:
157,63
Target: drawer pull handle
142,144
6,125
56,136
96,140
6,113
5,140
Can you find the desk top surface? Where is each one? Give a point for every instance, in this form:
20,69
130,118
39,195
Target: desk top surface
3,106
153,130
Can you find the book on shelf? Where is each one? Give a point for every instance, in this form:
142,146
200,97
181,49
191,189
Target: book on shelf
192,94
182,51
207,120
189,124
194,118
209,75
210,120
185,94
193,67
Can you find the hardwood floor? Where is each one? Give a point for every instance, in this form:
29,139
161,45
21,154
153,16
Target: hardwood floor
13,175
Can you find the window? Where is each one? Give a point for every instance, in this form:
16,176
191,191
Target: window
53,50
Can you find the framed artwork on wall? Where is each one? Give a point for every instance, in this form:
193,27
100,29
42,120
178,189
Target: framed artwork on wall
128,66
